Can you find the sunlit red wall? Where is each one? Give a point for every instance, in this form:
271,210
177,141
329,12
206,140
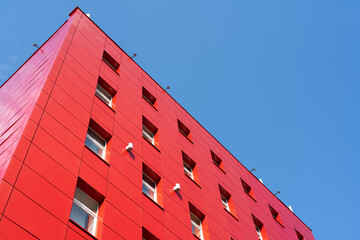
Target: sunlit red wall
45,155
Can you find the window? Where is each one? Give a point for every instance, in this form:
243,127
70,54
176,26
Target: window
247,189
300,237
151,185
258,231
146,235
95,143
148,135
149,97
149,132
105,92
188,170
189,165
227,201
259,228
217,161
87,208
198,223
97,139
275,215
184,130
84,211
196,226
110,61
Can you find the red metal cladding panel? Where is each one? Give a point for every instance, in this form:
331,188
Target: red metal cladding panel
124,204
5,189
33,217
9,230
126,186
45,110
93,178
57,151
67,119
44,193
121,224
51,170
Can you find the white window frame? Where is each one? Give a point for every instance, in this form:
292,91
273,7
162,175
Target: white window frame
225,202
149,135
258,231
101,93
195,225
186,170
96,142
150,187
88,211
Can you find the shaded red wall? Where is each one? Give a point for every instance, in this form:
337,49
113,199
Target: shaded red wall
52,155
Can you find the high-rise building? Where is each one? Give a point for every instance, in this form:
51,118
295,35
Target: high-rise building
91,147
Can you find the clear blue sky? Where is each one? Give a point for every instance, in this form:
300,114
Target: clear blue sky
276,82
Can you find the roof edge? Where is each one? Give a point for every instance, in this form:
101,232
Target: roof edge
77,8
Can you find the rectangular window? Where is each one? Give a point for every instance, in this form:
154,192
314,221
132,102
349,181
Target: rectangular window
184,130
275,215
150,132
247,189
300,237
225,202
258,231
149,97
196,226
148,135
188,170
259,228
146,235
110,61
198,222
217,161
151,184
97,139
84,211
149,187
105,92
103,95
95,143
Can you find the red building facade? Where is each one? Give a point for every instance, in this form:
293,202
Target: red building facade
91,147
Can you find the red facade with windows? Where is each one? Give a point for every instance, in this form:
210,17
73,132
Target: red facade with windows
67,170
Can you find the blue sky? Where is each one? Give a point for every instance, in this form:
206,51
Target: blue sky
276,82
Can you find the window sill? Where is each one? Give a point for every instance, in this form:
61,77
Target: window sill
97,155
197,237
186,137
231,214
105,103
193,181
220,168
279,222
250,196
151,144
151,104
153,201
82,229
115,71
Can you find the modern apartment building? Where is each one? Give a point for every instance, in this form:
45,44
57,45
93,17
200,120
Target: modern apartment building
91,147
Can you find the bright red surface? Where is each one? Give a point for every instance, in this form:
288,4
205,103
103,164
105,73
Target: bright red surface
44,153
